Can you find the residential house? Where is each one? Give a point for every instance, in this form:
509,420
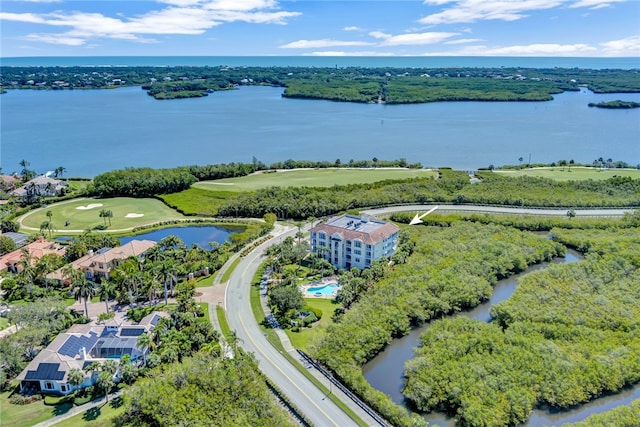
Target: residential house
99,264
34,250
81,346
41,186
351,241
8,182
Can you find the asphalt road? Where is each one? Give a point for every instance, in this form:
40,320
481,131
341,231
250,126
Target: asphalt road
319,409
499,210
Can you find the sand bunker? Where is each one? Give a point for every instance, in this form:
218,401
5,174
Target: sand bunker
133,215
90,206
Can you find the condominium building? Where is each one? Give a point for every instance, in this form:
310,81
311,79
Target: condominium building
349,241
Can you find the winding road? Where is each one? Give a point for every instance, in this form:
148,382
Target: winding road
320,410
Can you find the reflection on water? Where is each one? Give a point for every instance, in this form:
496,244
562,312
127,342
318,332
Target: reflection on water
201,236
385,372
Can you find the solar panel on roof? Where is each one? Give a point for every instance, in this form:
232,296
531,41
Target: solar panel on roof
131,332
73,345
46,371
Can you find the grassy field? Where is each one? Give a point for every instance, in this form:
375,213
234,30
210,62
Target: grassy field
311,178
196,201
26,415
574,173
301,339
222,321
83,214
3,323
100,416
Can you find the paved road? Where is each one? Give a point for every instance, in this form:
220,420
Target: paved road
320,410
499,210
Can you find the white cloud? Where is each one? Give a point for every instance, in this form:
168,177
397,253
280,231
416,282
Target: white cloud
595,4
309,44
56,39
629,46
411,38
463,41
537,49
474,10
458,11
185,17
353,28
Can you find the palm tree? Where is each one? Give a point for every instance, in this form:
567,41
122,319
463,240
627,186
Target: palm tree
103,215
109,215
166,274
131,283
105,291
145,342
85,290
24,165
46,226
105,381
71,274
153,287
75,377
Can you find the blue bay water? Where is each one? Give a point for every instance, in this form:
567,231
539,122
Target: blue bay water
92,131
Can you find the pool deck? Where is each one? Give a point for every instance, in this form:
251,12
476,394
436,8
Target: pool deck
320,283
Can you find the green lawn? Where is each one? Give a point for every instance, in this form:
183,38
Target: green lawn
83,214
301,339
576,173
99,416
3,323
311,178
25,415
222,321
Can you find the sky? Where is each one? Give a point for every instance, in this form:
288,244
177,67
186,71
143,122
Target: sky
563,28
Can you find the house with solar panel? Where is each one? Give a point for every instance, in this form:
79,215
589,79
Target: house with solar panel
349,241
81,346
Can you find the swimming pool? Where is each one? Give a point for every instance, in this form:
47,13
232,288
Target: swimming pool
324,291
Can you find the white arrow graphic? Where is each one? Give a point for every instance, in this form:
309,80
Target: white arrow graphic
418,219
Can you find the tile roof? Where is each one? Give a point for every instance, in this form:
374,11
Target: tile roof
367,234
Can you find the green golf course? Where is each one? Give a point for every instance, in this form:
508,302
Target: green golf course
83,214
311,178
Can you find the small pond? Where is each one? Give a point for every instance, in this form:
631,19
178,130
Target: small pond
198,235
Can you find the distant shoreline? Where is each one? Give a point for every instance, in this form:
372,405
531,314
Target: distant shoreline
328,61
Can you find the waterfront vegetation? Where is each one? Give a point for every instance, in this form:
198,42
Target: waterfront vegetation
622,416
567,335
351,84
541,350
616,105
